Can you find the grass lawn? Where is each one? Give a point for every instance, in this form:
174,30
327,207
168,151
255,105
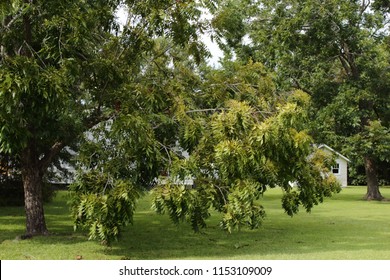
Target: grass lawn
343,227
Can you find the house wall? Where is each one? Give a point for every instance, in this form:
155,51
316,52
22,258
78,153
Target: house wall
342,176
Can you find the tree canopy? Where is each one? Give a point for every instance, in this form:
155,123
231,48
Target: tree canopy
336,51
132,100
67,66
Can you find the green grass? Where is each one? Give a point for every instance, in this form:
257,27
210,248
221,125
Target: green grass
343,227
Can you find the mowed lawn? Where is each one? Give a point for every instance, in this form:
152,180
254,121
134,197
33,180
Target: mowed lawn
343,227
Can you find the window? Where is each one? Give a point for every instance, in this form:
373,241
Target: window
336,169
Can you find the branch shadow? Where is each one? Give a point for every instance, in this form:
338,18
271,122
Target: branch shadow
154,237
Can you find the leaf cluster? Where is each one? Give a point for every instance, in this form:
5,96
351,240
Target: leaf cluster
102,204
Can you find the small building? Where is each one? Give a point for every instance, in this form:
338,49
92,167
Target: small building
340,170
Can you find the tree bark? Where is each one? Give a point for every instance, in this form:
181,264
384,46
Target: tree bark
32,176
373,192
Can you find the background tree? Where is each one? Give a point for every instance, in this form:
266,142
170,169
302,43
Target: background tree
338,52
66,67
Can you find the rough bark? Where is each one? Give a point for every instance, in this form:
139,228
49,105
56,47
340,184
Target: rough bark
32,170
32,176
373,192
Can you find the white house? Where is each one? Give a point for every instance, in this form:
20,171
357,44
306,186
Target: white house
340,170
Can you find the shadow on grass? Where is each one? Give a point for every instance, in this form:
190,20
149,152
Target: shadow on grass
286,240
58,220
341,228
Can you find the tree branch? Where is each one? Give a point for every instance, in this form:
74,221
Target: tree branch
344,64
297,85
205,110
15,18
50,154
347,59
95,119
27,30
365,5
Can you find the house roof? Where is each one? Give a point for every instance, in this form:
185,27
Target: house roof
333,151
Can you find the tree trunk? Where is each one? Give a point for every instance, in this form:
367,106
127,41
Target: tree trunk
33,200
373,192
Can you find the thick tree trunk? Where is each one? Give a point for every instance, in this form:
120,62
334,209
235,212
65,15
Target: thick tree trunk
373,192
33,200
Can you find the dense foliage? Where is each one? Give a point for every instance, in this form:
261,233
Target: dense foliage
338,52
140,110
67,66
242,138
